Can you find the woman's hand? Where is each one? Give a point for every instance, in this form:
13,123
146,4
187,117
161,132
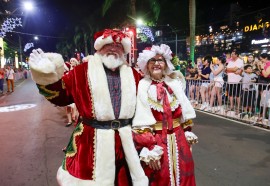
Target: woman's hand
154,164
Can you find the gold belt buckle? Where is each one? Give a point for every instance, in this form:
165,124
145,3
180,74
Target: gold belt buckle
115,124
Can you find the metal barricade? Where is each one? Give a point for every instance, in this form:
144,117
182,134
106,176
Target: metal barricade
249,103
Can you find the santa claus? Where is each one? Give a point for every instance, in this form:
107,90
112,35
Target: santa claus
101,151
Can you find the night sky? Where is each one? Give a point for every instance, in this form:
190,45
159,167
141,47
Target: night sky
52,18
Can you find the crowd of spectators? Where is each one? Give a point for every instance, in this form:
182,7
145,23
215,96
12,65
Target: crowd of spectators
230,84
10,75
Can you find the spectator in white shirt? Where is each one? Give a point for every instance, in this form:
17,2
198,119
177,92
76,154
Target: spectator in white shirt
234,71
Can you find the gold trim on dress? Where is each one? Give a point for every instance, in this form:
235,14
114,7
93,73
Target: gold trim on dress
158,125
156,105
188,123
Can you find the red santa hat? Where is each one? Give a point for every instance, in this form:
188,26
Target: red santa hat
74,62
109,36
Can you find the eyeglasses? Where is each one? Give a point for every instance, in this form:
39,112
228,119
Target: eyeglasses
153,61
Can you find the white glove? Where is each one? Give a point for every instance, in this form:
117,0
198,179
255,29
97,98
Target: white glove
191,137
46,68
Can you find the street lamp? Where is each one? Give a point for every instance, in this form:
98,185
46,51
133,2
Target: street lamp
139,22
28,6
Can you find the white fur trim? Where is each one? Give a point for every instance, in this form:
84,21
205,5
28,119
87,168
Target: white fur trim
49,69
128,93
65,179
143,115
100,42
188,111
132,158
101,94
105,157
178,75
100,90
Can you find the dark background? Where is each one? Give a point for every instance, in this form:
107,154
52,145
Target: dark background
53,19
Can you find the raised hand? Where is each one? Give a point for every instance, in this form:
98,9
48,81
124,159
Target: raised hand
40,62
46,68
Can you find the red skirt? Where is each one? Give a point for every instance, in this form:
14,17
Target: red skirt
177,166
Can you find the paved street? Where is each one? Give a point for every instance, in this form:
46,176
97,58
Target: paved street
228,153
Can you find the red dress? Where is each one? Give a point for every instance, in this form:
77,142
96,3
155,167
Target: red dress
177,166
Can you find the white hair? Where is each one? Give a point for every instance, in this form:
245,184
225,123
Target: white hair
163,50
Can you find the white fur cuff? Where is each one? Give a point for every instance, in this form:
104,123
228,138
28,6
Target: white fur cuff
191,137
48,70
146,155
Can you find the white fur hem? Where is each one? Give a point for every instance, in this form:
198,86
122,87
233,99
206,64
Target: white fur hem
132,158
105,160
65,179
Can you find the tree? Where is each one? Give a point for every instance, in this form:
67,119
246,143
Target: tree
153,5
192,26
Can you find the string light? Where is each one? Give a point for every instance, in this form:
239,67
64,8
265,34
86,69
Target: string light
9,24
28,46
147,31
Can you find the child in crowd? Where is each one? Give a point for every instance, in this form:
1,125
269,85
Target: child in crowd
193,75
249,92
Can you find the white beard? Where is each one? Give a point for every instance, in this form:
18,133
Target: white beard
111,62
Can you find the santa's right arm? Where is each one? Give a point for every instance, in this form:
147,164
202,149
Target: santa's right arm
47,70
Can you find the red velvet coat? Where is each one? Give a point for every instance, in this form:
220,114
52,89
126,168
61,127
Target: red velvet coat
80,158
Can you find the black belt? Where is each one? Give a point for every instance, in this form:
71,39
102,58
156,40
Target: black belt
112,124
